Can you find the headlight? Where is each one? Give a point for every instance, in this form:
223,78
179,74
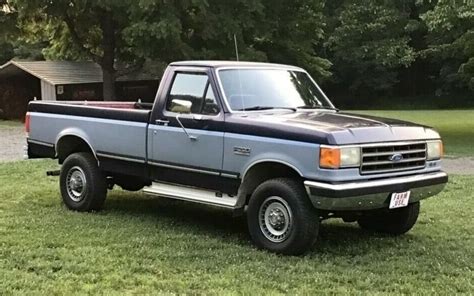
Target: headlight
339,157
350,157
434,150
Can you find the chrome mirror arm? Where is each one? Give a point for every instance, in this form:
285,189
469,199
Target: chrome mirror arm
192,138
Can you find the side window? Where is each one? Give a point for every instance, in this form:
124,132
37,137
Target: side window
210,103
191,93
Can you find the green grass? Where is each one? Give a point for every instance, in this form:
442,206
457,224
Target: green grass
140,244
455,126
10,123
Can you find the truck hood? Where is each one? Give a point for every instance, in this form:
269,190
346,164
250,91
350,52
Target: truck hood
327,127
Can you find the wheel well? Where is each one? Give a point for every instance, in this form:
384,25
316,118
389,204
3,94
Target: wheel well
71,144
262,172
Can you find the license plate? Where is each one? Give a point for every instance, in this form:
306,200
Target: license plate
399,200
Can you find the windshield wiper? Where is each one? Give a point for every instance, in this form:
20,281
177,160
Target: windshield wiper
257,108
317,107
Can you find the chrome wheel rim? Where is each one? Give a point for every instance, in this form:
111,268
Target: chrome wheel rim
76,184
275,219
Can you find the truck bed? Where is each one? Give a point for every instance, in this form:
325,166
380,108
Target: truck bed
111,128
113,110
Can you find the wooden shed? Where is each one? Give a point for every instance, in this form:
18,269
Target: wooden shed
23,81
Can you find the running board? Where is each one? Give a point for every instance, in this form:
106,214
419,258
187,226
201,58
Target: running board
191,194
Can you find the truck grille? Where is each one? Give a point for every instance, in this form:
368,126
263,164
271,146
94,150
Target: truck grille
393,158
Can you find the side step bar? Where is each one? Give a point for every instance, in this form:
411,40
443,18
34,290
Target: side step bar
191,194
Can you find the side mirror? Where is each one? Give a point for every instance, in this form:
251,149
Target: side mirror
181,106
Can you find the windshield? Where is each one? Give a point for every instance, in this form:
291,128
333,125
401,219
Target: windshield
259,89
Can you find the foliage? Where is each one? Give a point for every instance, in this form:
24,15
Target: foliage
81,29
359,48
266,30
13,40
7,52
368,43
131,32
291,32
7,30
451,27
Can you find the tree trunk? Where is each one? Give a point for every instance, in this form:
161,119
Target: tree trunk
108,86
108,59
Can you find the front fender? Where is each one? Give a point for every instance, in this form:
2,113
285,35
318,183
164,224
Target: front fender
271,158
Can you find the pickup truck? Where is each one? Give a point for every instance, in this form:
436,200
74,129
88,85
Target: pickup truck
260,139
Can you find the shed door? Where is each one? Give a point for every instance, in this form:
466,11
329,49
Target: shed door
48,91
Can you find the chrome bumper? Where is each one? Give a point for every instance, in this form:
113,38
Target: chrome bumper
25,151
367,195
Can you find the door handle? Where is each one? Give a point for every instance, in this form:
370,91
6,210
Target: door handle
162,122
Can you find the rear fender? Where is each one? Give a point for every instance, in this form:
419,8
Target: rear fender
74,132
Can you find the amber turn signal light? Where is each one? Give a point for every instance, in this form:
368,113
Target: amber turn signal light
329,158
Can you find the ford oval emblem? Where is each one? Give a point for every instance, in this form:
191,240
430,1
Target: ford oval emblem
396,157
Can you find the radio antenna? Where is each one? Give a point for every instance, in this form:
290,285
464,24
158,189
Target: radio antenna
236,48
238,73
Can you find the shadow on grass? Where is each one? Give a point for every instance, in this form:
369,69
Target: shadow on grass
335,238
199,219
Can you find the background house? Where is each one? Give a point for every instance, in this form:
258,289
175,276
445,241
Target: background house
23,81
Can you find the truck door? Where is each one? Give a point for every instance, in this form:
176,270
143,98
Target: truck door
186,135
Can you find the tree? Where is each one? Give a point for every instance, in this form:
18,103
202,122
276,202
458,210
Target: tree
118,33
291,32
266,30
80,29
7,30
368,44
451,39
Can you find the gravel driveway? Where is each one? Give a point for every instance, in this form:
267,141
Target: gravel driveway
12,140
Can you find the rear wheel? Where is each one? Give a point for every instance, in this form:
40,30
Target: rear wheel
281,218
83,185
395,222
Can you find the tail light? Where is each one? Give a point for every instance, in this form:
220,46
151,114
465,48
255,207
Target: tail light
27,123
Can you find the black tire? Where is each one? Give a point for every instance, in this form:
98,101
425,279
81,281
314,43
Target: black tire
78,195
394,222
282,195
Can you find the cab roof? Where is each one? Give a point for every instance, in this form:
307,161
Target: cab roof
225,64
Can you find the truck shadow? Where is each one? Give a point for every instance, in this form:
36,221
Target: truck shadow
335,236
200,219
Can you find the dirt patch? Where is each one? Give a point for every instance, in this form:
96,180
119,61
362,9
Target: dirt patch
461,165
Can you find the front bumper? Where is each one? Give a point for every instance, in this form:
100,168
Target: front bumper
373,194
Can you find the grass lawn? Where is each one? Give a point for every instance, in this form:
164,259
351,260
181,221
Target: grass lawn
140,244
10,123
455,126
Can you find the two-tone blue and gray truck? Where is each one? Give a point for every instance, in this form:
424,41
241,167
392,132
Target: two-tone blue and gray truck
260,139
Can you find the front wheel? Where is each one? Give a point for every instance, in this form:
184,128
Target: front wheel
394,222
83,185
281,218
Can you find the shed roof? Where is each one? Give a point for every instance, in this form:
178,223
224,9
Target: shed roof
64,72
